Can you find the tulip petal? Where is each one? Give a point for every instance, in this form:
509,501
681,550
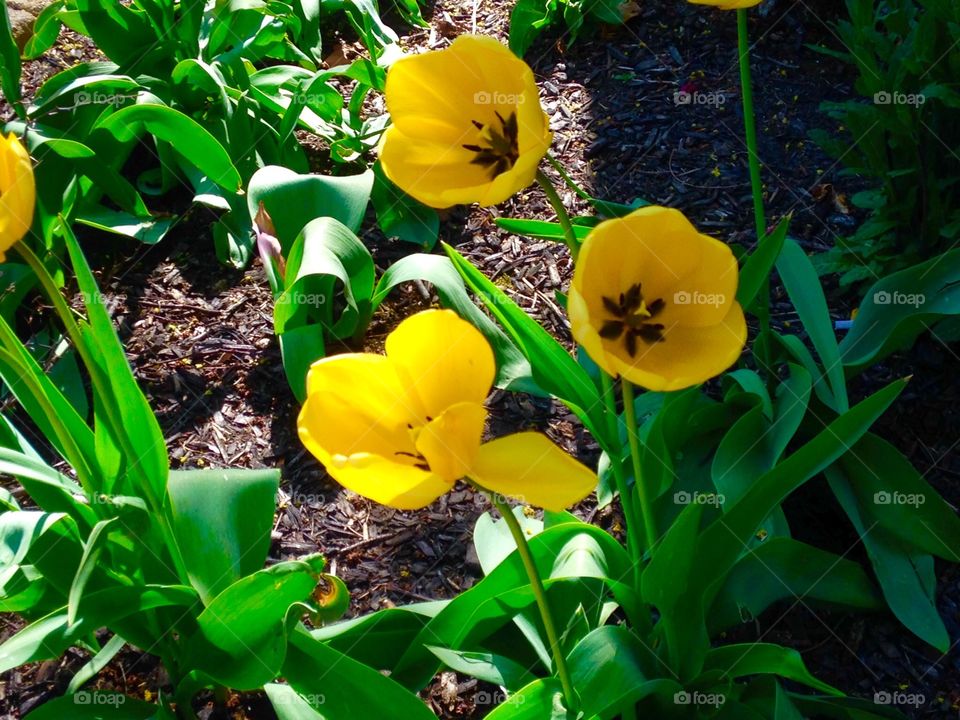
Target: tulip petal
450,443
704,295
389,483
528,467
688,355
17,192
443,359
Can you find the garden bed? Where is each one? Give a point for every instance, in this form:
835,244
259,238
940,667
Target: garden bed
201,342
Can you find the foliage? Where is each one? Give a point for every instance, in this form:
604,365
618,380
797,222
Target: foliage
899,135
193,98
529,18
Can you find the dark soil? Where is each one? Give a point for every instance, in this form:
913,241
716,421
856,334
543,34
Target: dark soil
200,336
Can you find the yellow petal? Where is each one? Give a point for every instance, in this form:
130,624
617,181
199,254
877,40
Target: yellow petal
442,359
450,443
440,101
529,468
17,192
704,295
389,483
688,355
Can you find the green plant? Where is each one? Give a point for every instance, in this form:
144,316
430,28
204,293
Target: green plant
529,18
900,136
169,561
196,97
324,279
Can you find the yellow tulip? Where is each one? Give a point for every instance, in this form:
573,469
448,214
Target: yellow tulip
402,428
467,124
728,4
653,300
17,192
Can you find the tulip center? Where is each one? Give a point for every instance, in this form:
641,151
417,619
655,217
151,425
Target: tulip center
499,147
419,460
631,319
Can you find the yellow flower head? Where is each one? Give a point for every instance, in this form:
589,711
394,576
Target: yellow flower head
653,300
467,124
17,192
728,4
401,429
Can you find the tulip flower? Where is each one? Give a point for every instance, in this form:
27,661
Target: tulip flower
402,428
653,300
728,4
17,192
467,124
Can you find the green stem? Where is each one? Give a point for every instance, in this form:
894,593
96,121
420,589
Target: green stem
569,181
569,694
746,87
753,158
646,508
563,217
615,451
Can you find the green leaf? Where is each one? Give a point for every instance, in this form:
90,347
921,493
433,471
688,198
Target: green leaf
897,308
293,200
400,215
222,521
192,142
782,568
488,667
289,704
95,705
803,286
380,638
758,658
340,687
544,230
894,495
553,367
479,611
241,637
906,575
612,670
10,67
540,700
92,550
756,270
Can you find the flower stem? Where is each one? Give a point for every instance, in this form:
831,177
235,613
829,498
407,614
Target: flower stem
570,182
746,87
646,507
569,694
563,217
756,182
615,451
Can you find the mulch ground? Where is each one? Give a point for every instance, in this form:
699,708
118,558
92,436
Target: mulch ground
200,335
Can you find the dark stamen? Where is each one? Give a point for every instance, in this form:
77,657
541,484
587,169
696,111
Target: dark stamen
630,323
504,145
